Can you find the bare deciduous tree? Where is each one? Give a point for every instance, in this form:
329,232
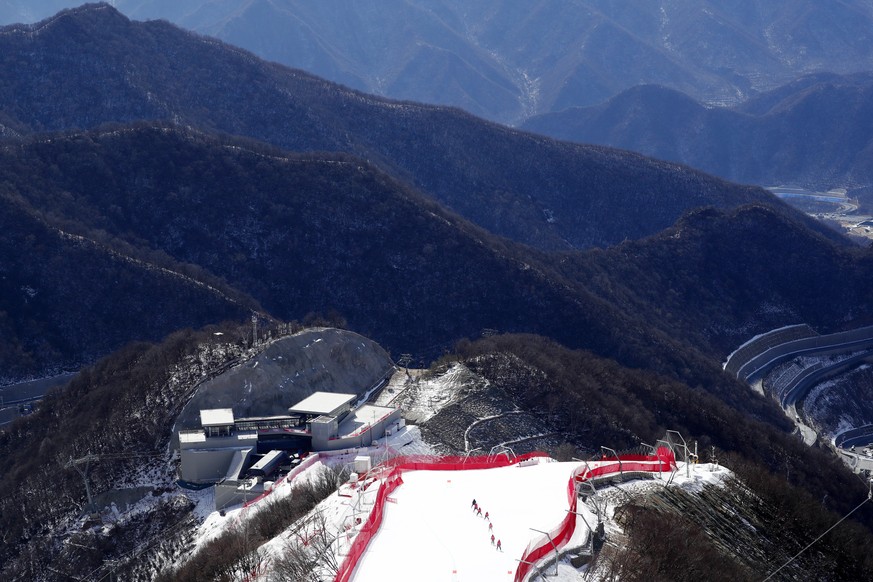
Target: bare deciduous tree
309,553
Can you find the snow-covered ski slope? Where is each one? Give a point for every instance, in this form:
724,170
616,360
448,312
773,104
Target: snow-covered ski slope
427,529
430,531
531,502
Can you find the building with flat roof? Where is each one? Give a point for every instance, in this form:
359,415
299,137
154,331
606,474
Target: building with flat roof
224,448
217,422
324,403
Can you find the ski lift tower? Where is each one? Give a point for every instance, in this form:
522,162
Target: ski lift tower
77,465
254,329
685,449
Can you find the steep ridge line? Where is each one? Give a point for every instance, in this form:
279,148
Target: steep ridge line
147,265
38,27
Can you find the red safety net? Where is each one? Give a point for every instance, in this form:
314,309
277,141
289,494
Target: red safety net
662,460
449,463
369,529
396,467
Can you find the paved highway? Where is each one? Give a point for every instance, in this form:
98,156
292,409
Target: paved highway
761,364
849,440
25,393
855,340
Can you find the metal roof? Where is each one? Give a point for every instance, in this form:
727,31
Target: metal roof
363,419
216,417
192,436
322,403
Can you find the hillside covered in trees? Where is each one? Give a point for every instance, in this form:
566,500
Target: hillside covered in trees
152,181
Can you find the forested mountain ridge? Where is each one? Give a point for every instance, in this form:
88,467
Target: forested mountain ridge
300,233
127,202
67,299
717,278
813,132
507,61
91,65
586,397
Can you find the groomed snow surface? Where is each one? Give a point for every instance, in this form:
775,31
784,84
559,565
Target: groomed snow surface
430,531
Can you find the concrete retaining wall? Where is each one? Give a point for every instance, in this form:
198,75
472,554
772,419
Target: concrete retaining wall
835,343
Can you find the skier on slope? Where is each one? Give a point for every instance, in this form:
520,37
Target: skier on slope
492,539
474,504
479,511
490,527
499,546
486,516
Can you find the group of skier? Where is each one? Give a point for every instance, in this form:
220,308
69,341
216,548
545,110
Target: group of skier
478,511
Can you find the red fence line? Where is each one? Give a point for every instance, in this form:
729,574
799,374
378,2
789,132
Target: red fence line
662,460
397,466
370,528
450,463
